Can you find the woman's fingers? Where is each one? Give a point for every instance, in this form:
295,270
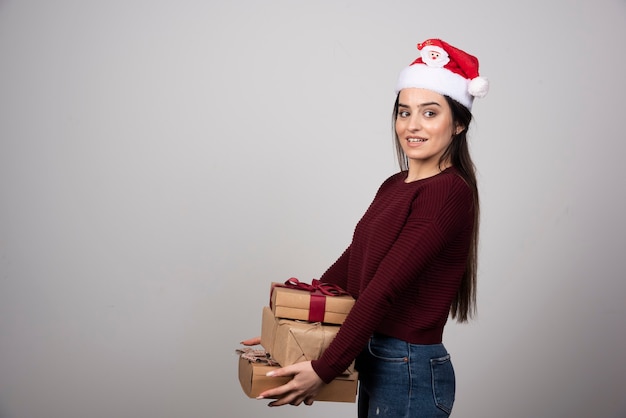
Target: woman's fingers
302,388
280,392
252,341
284,395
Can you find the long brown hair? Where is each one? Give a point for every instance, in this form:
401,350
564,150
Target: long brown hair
464,304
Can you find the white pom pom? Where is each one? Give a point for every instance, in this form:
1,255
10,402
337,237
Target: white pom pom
478,87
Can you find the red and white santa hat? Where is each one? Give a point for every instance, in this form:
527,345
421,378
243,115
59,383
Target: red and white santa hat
446,70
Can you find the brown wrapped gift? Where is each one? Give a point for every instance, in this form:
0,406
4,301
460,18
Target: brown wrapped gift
253,379
315,303
289,341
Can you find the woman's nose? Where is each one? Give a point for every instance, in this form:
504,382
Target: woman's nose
414,123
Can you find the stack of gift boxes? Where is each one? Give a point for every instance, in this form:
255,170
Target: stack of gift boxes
298,325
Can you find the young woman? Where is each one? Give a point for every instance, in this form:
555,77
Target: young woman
412,259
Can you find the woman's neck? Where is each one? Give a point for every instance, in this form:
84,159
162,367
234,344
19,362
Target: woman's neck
420,171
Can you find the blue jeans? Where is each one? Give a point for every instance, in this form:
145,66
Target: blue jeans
398,379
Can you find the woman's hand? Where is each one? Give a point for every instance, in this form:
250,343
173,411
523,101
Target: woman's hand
251,341
304,386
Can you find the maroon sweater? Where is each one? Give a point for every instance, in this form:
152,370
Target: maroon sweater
404,265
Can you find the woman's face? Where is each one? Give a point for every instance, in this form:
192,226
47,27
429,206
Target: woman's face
424,126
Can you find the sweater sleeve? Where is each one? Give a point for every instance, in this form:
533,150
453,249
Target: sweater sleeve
423,236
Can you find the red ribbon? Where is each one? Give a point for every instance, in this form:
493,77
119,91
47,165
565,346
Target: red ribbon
318,291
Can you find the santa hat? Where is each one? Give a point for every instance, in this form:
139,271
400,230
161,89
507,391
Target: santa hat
446,70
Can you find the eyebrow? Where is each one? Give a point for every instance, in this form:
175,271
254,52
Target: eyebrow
420,105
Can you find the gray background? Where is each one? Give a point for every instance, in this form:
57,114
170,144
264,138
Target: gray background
162,162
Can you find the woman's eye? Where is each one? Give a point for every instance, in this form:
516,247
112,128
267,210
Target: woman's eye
429,113
404,114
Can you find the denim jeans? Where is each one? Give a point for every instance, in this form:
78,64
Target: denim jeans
398,379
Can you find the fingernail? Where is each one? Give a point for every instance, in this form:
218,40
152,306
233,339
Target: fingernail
260,397
270,373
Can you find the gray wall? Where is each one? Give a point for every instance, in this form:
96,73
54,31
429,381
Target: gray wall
162,162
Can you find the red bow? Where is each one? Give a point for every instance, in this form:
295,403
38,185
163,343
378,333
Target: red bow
327,289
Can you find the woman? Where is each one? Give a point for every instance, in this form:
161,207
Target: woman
412,260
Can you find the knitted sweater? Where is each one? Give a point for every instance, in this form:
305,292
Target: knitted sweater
404,266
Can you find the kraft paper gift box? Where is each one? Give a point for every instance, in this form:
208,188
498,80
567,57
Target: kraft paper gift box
253,380
290,341
318,302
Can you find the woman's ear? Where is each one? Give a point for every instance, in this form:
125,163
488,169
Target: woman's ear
459,129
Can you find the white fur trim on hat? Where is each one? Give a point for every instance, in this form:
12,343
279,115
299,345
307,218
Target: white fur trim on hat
439,80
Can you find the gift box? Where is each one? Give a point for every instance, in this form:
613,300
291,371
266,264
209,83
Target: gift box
316,302
253,379
290,341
